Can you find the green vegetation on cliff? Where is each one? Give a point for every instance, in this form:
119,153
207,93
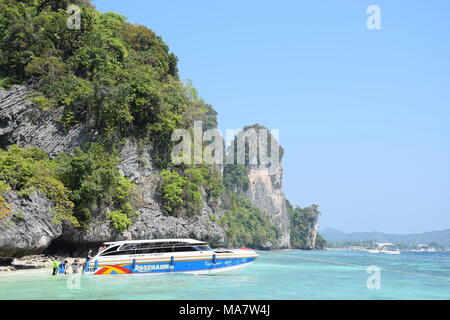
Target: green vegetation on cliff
247,225
96,185
120,80
79,185
182,188
114,76
26,170
302,222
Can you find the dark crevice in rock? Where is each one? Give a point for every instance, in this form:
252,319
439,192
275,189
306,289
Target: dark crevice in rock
61,247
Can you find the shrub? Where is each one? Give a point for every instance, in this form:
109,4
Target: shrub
119,220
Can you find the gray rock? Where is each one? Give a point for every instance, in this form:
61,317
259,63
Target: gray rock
153,224
30,228
266,193
24,124
153,221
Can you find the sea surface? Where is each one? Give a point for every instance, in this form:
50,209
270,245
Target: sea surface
275,275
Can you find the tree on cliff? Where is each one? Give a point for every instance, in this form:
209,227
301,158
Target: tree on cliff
303,224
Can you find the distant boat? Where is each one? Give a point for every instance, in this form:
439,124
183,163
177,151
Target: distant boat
424,248
385,248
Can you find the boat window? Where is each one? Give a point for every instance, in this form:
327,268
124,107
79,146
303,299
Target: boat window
162,250
128,247
154,250
203,248
149,245
182,249
114,248
118,253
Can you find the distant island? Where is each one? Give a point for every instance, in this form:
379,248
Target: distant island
337,238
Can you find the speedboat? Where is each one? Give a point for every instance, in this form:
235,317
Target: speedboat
384,248
166,256
390,251
387,248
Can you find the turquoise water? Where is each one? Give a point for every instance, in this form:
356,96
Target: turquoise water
275,275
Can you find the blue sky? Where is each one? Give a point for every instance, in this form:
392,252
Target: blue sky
363,114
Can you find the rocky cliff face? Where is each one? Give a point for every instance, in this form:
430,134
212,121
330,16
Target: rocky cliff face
30,228
311,238
266,193
22,123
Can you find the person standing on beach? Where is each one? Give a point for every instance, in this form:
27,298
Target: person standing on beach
63,267
75,266
55,266
88,258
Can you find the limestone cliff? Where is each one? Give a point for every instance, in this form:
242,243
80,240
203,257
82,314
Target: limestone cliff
30,228
266,192
22,123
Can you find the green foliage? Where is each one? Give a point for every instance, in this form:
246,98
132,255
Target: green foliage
212,181
5,207
198,109
247,225
79,186
44,103
4,187
321,243
302,222
181,192
95,183
115,76
235,177
119,220
27,169
172,190
182,188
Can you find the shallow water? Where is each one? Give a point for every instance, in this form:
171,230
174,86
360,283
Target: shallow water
275,275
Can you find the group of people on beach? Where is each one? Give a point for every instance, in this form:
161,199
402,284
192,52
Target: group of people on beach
76,266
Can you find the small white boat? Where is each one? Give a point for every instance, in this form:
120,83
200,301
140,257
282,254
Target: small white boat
384,247
424,248
390,251
166,256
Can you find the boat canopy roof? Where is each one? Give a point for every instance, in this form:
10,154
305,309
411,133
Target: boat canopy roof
384,244
187,241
